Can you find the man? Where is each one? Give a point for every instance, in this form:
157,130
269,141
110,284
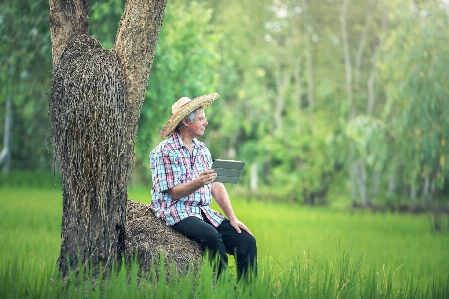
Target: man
183,186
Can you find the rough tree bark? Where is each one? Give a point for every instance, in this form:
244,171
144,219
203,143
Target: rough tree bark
95,103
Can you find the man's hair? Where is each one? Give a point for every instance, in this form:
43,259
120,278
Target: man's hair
190,118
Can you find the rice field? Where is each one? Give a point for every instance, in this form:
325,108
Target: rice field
304,252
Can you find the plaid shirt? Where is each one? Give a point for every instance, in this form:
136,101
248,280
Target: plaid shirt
171,165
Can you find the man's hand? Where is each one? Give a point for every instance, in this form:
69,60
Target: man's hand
185,189
222,198
238,225
207,177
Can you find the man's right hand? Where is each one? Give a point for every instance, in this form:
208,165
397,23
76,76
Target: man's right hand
185,189
207,177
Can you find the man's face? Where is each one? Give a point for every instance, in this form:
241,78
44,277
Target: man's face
199,124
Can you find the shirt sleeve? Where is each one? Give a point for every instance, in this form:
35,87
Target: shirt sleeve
166,170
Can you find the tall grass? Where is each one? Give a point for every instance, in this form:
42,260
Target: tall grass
303,253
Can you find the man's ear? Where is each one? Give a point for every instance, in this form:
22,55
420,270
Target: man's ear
184,122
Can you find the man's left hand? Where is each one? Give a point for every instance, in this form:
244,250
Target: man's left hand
238,225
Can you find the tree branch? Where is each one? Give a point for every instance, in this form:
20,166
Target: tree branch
135,46
68,19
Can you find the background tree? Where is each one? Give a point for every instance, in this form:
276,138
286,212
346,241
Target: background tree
25,65
360,91
413,68
185,60
281,71
95,103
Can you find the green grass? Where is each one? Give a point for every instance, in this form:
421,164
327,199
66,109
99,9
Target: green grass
303,253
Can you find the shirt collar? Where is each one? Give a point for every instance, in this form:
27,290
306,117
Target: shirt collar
178,141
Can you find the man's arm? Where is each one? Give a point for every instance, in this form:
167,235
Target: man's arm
221,196
183,190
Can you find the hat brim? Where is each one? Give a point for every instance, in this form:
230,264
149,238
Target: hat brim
202,101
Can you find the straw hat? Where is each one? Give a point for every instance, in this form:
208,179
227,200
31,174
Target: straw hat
184,106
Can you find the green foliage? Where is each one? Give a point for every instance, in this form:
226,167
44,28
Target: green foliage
25,64
280,71
104,17
263,116
184,65
24,43
369,135
413,67
299,166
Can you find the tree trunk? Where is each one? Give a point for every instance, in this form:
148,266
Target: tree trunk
281,85
253,185
372,77
370,87
414,189
309,63
362,46
135,46
375,187
5,154
296,73
298,92
68,19
361,180
391,184
353,169
95,103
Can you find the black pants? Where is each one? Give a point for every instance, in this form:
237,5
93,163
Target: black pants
221,240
